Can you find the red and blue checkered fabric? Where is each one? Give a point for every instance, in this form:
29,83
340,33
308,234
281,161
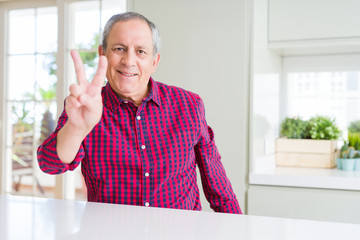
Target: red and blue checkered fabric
147,155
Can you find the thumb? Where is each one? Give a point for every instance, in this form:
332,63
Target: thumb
85,100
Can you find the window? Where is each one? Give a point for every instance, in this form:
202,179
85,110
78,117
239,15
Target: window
30,104
89,19
38,63
318,90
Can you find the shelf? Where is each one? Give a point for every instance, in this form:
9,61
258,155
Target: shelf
268,174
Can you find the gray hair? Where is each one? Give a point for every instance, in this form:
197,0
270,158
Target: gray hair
128,16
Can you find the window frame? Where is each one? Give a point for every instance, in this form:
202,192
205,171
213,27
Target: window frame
64,186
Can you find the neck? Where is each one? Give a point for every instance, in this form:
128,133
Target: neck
136,99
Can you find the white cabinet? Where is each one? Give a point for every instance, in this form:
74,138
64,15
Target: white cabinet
317,24
305,203
292,20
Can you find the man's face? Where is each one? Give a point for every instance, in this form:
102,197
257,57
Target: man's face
130,58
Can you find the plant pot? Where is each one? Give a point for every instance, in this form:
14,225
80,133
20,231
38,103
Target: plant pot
338,163
348,164
306,153
357,164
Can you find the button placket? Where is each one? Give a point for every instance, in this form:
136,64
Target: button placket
144,154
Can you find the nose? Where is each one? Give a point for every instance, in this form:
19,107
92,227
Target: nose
128,58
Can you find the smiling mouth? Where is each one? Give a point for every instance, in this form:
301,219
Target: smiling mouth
127,74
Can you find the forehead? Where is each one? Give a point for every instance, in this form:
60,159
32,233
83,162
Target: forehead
130,31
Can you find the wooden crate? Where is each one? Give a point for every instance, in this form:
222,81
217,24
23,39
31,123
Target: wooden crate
306,153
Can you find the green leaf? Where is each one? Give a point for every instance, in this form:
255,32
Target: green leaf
293,128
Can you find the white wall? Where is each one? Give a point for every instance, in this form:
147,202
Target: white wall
265,91
206,50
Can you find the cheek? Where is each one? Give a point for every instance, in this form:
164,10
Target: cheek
150,68
109,72
113,60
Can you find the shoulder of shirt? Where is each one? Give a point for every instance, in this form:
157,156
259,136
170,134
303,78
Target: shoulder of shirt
169,91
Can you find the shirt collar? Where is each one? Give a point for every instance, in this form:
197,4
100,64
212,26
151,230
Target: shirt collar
154,92
112,101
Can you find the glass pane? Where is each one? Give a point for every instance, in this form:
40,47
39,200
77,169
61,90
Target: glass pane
27,178
90,60
21,77
22,167
22,120
111,7
22,31
333,94
265,119
46,77
46,26
30,75
45,119
22,116
87,23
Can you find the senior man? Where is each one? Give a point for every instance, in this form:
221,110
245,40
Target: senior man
138,140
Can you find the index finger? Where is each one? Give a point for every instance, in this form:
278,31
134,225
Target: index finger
79,67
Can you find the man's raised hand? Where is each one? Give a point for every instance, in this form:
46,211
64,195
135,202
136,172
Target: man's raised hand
84,104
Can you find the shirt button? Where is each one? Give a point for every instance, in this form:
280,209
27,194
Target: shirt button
147,204
138,117
143,147
147,174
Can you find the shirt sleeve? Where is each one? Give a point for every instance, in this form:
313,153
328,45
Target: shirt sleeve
217,187
48,159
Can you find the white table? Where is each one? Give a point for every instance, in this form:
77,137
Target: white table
37,218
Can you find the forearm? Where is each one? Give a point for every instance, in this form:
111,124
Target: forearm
68,142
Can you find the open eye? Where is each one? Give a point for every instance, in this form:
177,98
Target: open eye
141,52
119,49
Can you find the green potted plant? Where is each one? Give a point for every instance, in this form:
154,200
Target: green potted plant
294,128
311,143
354,127
354,140
322,127
348,156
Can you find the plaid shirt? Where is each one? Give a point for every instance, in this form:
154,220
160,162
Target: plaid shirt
147,155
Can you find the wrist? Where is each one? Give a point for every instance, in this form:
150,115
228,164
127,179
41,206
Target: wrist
75,131
69,140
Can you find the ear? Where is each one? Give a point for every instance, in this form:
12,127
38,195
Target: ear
156,61
101,50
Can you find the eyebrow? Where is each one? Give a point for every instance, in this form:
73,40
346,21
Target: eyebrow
123,45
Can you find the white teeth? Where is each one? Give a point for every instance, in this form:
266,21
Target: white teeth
128,74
